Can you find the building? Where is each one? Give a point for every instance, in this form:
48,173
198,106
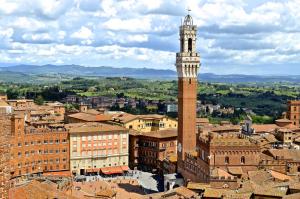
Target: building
3,97
96,147
5,108
37,150
187,65
143,123
20,103
149,150
221,151
293,112
5,129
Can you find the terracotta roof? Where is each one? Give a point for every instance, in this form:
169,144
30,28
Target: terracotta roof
226,128
215,193
284,120
38,190
292,154
90,117
126,117
280,176
92,127
292,196
238,196
262,128
260,176
171,132
181,191
202,120
109,193
235,170
123,117
217,172
197,186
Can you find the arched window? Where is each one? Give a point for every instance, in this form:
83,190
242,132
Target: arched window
190,44
243,160
226,160
181,45
298,169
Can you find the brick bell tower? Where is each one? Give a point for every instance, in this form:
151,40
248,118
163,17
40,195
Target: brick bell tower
187,65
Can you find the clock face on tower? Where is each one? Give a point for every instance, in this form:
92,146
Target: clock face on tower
179,147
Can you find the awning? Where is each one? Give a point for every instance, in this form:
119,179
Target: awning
125,168
111,170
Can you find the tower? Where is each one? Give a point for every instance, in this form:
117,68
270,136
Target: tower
187,65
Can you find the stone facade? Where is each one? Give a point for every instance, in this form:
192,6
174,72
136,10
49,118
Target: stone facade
94,146
148,151
5,129
37,150
293,112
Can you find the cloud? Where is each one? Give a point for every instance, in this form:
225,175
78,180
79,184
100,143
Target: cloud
233,35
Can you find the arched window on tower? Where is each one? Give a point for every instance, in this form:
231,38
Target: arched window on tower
190,44
181,45
226,160
242,160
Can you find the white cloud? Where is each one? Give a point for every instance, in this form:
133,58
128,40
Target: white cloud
83,33
140,33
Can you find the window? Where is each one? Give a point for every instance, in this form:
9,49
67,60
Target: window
19,154
243,160
64,141
26,144
50,141
45,141
57,141
19,144
190,44
181,45
226,160
110,137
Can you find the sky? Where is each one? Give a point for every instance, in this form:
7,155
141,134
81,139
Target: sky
234,36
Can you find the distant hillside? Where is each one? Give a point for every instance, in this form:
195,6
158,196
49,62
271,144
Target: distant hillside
105,71
26,72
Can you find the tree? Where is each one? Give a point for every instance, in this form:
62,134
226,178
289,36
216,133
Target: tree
39,100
